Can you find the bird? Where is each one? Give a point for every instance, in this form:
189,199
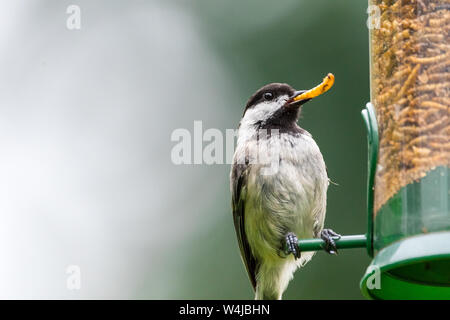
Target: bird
279,184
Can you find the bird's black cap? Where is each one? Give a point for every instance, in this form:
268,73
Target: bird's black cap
276,89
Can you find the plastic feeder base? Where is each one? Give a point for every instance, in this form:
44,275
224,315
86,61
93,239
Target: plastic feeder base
417,267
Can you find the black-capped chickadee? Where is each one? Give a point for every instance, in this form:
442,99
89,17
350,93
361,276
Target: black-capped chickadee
279,187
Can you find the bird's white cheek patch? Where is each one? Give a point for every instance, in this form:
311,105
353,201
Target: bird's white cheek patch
263,111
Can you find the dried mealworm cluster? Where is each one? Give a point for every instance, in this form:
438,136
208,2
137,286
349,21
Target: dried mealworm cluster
410,81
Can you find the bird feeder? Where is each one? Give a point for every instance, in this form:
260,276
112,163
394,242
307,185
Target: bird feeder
408,127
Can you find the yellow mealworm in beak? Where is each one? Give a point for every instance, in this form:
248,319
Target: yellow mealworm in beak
326,84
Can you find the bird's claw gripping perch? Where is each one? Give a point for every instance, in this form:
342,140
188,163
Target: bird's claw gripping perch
292,245
329,236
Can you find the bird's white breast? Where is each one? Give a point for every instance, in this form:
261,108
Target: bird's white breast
291,199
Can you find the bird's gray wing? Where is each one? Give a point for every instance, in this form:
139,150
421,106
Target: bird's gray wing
239,174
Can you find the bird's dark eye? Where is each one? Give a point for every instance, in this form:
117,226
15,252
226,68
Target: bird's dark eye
268,96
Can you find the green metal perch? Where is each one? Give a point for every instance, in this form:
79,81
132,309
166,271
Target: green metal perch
344,242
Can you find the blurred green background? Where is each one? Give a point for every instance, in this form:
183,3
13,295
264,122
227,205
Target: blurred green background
86,118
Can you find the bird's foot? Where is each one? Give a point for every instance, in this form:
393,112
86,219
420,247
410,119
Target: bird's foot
292,245
329,236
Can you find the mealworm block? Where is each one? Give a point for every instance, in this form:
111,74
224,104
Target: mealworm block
410,90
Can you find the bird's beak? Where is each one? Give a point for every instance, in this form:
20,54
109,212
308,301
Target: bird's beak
303,96
294,100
